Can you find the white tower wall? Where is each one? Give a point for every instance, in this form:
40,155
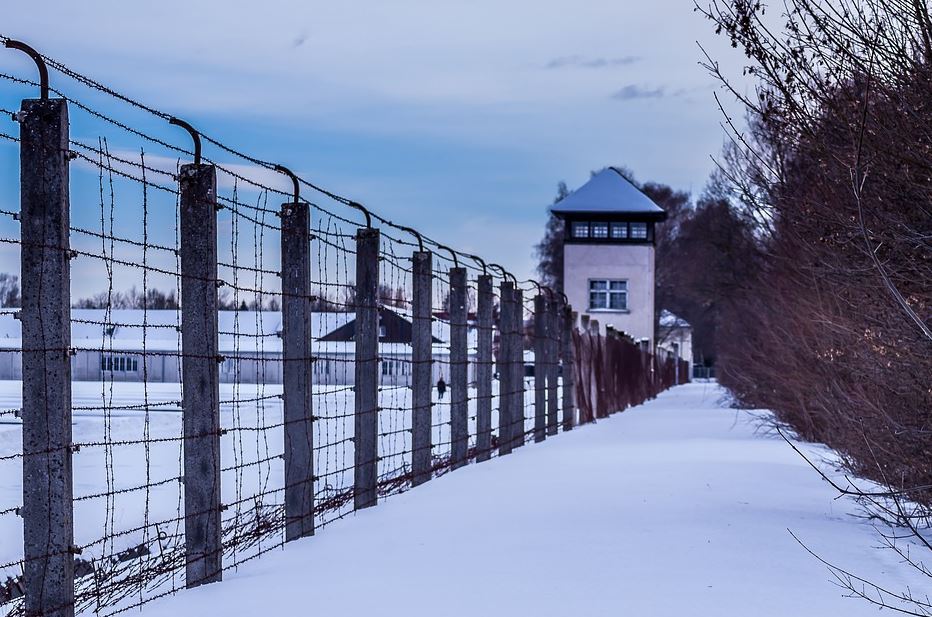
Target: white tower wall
633,263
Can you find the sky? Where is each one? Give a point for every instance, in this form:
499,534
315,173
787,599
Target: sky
458,118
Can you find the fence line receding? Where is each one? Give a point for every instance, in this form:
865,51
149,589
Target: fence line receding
207,360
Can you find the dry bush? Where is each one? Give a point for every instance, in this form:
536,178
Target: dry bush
832,331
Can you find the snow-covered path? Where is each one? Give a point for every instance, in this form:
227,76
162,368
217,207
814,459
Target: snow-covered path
679,507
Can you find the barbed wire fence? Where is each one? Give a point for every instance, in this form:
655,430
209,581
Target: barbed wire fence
278,363
613,372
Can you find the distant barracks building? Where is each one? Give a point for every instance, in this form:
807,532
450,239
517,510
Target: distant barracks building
249,341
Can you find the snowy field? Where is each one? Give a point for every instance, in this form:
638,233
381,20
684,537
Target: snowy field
678,507
127,470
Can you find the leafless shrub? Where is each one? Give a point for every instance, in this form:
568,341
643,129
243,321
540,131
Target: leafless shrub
834,331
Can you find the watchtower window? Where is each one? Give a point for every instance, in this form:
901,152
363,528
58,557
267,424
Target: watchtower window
608,295
580,229
619,232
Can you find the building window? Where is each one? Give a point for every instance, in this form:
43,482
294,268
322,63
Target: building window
118,364
393,367
608,295
229,366
604,230
321,366
580,230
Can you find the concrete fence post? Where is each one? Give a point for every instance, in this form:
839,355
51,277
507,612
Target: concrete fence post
506,385
200,377
459,369
584,375
540,367
297,365
367,369
484,369
422,361
676,366
568,368
517,367
48,529
554,327
597,373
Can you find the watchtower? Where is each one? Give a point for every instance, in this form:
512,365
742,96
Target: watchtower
608,258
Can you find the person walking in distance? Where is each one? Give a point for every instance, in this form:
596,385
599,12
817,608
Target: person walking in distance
441,387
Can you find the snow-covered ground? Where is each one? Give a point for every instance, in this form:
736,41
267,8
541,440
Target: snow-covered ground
128,465
679,507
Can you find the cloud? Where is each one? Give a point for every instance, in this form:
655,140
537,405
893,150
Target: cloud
440,98
243,177
633,92
577,61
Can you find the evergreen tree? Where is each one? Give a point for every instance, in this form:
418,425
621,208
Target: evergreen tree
549,251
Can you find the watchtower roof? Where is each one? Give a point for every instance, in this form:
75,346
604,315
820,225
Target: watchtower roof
608,192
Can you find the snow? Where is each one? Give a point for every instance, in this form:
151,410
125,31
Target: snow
109,412
671,320
678,507
607,192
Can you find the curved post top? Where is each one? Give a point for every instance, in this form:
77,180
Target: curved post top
294,180
194,135
416,234
456,261
361,208
40,63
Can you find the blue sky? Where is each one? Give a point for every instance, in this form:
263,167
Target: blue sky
457,117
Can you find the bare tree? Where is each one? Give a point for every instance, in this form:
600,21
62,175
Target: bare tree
835,172
152,299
